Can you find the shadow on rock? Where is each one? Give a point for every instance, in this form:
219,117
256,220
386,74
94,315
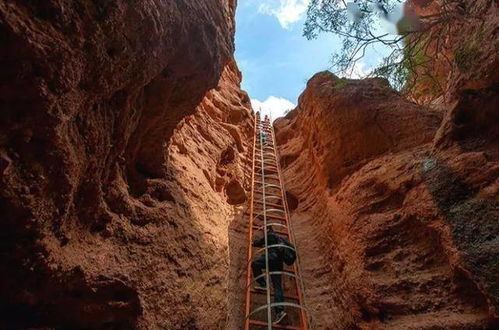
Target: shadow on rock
473,222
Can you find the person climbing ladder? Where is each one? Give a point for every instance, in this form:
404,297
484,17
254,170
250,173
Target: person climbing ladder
263,138
276,264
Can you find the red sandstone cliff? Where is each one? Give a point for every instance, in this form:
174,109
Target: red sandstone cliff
404,219
117,179
401,200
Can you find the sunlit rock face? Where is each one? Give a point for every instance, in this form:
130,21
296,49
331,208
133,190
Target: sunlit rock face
393,231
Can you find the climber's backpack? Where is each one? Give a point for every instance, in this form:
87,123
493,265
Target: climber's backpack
288,255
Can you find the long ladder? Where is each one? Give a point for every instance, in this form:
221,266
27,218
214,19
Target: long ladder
267,209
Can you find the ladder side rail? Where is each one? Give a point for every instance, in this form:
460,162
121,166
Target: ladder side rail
250,229
267,270
286,220
299,282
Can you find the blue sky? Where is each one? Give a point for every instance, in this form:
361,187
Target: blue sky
274,57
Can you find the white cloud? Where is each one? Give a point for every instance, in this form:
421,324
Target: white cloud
273,106
286,11
360,70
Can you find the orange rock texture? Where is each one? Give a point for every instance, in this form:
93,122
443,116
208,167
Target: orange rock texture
125,155
395,210
121,163
458,54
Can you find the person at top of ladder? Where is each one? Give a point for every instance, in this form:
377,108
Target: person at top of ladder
277,256
263,137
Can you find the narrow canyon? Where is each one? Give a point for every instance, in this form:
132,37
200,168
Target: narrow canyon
126,147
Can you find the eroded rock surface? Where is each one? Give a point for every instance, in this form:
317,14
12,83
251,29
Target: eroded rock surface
124,168
407,232
117,177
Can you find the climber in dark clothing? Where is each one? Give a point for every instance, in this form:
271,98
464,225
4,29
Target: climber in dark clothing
263,138
276,263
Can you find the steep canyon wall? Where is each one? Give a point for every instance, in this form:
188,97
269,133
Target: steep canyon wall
124,162
395,205
122,151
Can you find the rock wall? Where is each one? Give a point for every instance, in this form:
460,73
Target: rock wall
124,163
395,220
460,53
117,179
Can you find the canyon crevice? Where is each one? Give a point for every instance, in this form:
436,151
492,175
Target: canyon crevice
126,148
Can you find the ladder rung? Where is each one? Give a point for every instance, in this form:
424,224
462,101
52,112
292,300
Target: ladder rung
276,217
276,326
267,169
266,161
260,182
292,297
270,204
272,185
275,231
267,194
270,181
268,175
269,214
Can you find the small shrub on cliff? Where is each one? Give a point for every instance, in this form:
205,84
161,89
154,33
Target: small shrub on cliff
469,52
340,83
